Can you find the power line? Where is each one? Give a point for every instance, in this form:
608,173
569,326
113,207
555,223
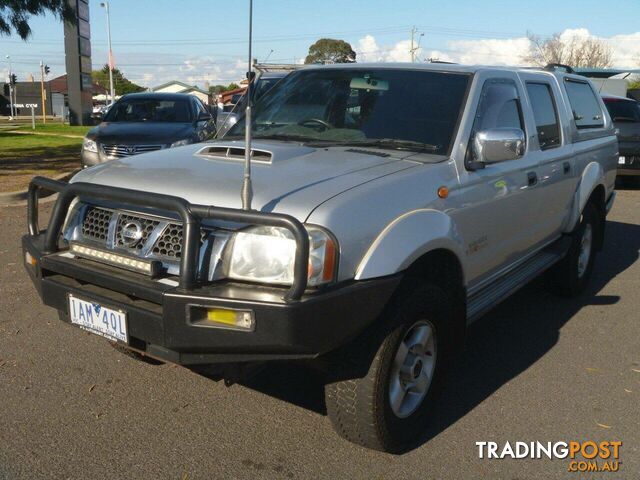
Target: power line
431,29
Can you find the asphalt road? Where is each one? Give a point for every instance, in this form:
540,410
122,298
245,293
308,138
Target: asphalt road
536,368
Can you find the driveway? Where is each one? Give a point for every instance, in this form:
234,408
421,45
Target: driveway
537,368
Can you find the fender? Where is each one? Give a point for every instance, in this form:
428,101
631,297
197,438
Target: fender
592,176
406,239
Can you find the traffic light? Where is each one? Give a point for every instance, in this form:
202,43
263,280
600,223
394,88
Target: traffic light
13,79
46,69
6,90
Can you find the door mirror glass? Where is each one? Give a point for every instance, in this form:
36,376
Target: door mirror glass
498,145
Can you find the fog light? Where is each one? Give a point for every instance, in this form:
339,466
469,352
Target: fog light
223,318
30,259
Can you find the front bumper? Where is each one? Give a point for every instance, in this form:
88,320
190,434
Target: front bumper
157,313
289,324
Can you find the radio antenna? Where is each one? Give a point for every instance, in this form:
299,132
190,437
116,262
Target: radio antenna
247,190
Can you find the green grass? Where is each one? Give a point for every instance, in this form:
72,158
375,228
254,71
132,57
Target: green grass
14,145
23,156
55,128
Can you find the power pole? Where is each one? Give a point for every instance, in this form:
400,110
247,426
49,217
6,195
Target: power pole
8,57
415,47
411,50
111,62
43,93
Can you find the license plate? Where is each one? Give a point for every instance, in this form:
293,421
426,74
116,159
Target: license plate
621,160
95,318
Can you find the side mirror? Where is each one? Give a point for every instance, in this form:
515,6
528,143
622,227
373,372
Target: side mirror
497,145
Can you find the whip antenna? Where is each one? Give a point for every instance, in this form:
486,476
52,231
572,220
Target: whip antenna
247,190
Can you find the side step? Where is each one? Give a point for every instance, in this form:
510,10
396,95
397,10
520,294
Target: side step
491,295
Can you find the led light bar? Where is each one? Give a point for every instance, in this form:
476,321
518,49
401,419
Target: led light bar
148,267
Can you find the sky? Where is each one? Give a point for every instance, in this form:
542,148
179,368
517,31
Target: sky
198,41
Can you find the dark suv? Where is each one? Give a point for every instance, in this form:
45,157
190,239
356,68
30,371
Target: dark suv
625,114
144,122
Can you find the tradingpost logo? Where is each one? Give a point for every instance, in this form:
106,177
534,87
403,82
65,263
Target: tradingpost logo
587,456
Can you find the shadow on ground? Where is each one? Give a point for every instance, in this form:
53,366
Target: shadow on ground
500,346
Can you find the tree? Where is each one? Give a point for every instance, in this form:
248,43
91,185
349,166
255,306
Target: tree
216,89
15,14
329,50
575,51
121,84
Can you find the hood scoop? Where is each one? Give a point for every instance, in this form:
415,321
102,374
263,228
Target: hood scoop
235,153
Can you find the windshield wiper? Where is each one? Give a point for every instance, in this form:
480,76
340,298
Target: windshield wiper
386,143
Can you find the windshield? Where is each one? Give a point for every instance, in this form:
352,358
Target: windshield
263,85
623,110
387,108
149,110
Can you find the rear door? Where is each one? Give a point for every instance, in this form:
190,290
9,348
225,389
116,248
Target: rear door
552,154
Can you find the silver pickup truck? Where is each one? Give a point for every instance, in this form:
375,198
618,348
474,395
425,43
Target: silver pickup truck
393,205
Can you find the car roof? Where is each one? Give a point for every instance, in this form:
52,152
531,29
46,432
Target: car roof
268,75
617,98
158,96
448,67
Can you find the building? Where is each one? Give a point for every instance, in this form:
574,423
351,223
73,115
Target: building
228,96
179,87
28,94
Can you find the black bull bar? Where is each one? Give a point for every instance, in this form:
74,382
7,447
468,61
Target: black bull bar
190,214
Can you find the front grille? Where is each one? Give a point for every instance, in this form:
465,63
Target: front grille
170,242
96,223
118,151
168,234
147,224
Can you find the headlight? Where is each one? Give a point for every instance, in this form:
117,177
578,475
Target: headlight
89,145
266,254
181,143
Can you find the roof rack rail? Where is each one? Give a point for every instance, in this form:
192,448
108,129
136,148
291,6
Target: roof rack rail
277,67
552,67
435,60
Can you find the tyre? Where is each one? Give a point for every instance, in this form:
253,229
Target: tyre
388,409
571,275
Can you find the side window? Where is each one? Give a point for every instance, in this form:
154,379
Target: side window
499,106
584,104
545,114
200,108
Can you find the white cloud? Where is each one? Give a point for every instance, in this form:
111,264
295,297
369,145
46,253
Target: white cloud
489,51
625,49
368,50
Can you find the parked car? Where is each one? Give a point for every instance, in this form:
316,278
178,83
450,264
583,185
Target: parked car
393,205
146,122
264,82
625,113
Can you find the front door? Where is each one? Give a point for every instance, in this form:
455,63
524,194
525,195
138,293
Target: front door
498,218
